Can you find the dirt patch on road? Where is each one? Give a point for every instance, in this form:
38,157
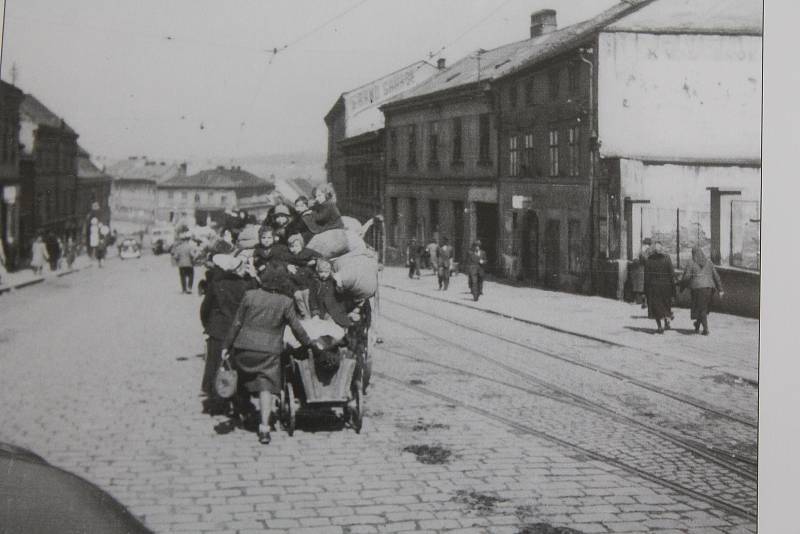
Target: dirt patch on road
416,382
480,503
429,454
422,426
546,528
730,380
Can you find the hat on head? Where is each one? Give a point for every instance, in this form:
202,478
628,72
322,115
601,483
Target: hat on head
281,209
226,262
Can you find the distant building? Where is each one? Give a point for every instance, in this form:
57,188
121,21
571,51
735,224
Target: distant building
10,181
203,197
94,190
291,188
356,143
133,193
49,170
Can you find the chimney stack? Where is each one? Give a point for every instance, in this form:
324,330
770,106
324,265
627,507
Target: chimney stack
440,63
543,22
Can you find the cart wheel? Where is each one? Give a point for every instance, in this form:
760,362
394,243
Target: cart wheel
357,415
290,410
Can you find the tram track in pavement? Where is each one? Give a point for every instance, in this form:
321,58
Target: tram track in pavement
683,398
733,508
738,463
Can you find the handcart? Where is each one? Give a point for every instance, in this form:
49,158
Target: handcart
307,385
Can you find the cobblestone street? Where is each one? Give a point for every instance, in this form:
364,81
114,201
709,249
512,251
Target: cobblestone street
475,423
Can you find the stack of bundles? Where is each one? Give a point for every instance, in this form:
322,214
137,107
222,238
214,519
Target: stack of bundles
315,328
355,266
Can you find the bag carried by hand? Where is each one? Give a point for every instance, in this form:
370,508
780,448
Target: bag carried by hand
226,379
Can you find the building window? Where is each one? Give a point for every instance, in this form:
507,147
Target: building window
393,148
553,152
412,216
457,141
574,246
574,151
515,234
553,83
197,198
574,78
527,156
529,91
184,195
223,199
512,95
170,195
483,139
433,145
394,215
513,156
412,146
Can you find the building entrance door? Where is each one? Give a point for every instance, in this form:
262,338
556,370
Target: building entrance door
486,230
552,252
530,247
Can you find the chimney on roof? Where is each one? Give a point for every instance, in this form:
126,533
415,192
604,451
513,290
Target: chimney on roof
182,171
440,63
543,22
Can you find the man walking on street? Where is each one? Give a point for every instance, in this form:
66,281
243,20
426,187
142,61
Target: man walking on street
433,255
184,256
445,263
413,258
476,259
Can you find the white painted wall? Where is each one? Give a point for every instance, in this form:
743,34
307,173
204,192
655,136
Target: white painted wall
679,97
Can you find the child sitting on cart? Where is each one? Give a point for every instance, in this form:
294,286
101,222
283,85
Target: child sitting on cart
301,264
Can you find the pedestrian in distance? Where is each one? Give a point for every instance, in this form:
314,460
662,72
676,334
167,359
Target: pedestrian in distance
102,244
226,286
476,260
445,264
702,279
255,343
94,236
432,250
659,286
637,274
53,250
70,252
413,258
39,255
183,256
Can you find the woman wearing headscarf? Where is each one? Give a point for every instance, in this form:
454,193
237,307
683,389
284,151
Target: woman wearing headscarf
659,286
701,277
225,290
255,343
324,214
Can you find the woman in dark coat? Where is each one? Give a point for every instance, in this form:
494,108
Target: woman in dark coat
255,342
659,286
701,277
225,290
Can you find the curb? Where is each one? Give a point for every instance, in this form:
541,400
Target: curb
38,280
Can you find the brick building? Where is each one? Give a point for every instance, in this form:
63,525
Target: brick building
356,145
204,197
10,181
49,171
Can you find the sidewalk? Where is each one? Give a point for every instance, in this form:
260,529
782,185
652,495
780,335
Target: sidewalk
731,348
25,277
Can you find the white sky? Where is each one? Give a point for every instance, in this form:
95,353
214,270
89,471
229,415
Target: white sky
140,77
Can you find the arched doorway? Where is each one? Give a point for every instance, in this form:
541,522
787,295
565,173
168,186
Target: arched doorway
530,247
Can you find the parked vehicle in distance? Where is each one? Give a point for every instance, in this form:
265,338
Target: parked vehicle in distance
161,239
129,248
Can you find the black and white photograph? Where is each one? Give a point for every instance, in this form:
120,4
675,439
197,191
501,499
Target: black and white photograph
372,266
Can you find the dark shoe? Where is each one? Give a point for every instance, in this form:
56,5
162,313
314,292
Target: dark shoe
666,325
697,327
705,332
263,437
225,427
660,330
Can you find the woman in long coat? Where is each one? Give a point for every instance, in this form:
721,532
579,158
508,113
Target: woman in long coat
255,342
659,286
701,277
39,255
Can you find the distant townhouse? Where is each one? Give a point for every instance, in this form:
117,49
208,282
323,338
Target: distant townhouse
10,181
356,140
204,197
133,193
49,172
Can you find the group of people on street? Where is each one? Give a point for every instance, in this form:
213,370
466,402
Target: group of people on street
655,285
53,251
439,257
254,291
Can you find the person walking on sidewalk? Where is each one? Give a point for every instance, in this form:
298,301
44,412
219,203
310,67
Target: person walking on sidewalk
702,278
413,257
476,259
184,256
659,286
432,250
445,263
53,251
637,274
39,255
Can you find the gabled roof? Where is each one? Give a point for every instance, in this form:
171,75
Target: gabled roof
721,17
32,109
487,65
221,177
141,169
86,169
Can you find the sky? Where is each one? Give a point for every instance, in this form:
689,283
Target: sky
190,79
